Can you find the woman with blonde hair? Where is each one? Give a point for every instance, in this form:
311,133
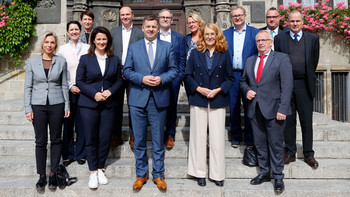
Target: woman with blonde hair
208,77
46,103
195,23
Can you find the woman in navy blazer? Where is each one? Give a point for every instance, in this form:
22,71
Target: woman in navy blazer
208,77
46,103
99,79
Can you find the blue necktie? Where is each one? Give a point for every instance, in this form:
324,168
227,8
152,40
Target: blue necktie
150,53
296,37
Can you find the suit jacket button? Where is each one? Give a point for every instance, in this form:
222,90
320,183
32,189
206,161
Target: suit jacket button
200,84
217,86
200,74
220,66
217,76
197,66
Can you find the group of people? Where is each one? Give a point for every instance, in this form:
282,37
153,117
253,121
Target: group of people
83,86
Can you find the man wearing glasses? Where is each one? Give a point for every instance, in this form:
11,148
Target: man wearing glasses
267,83
178,42
273,22
241,45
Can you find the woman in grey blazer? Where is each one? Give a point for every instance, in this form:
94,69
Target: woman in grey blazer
46,104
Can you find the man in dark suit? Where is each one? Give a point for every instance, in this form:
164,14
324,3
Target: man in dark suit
241,45
124,35
150,67
273,19
303,49
178,41
267,83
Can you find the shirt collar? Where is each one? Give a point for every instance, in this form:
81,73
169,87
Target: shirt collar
168,33
267,54
71,43
123,28
244,28
153,41
300,34
99,56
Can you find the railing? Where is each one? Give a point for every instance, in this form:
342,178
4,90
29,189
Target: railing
340,96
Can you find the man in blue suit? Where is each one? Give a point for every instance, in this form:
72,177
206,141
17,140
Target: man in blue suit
178,42
150,67
241,45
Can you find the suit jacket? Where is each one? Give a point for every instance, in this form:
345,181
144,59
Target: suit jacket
82,36
249,46
178,42
188,39
197,74
280,29
38,88
274,91
117,45
137,66
90,80
312,53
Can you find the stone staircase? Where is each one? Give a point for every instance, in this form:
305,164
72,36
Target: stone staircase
331,144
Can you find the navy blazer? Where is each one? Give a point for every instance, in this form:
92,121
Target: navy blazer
312,53
197,74
90,80
274,90
178,42
137,66
249,46
188,39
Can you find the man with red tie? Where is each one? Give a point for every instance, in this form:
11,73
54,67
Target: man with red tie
267,83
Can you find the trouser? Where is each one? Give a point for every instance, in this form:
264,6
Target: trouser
201,119
52,116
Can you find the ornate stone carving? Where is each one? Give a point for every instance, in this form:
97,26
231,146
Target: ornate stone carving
109,15
195,11
45,4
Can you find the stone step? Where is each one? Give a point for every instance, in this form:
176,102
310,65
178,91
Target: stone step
324,150
177,168
180,187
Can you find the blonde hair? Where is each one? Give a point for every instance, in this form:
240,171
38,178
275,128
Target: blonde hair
220,41
197,18
47,35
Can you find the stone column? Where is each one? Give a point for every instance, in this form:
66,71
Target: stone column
106,12
222,13
78,7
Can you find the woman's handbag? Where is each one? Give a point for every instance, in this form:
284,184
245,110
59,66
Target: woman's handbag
63,178
250,156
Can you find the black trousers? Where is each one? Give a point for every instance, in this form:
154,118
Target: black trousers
268,139
301,102
52,116
99,124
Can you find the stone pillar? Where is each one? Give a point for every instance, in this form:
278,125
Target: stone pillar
106,12
78,7
222,14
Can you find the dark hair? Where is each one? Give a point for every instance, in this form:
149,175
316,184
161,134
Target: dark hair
105,31
87,13
73,22
150,18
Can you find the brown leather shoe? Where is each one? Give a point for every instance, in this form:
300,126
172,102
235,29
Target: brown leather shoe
311,161
288,159
169,142
160,183
140,181
131,142
116,141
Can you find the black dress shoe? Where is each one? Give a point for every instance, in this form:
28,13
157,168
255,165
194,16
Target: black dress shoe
67,162
219,183
260,179
53,182
311,161
40,185
279,186
81,161
201,182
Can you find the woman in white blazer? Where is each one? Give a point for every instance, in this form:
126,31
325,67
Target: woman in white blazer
46,104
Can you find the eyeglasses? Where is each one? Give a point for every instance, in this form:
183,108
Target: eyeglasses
262,40
272,17
207,35
165,17
237,16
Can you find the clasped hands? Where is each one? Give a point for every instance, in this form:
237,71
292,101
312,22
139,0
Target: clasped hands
151,80
102,96
208,92
251,94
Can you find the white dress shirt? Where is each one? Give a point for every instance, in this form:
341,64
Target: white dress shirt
154,46
238,40
126,39
165,37
72,55
258,61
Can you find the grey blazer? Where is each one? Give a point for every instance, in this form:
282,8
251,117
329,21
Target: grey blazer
38,88
117,46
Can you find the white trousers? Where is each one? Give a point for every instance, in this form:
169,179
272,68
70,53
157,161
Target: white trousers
201,119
